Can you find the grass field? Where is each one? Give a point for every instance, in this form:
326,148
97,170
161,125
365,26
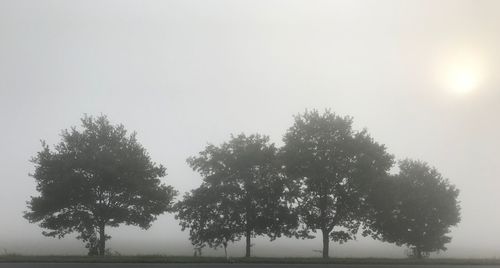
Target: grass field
181,259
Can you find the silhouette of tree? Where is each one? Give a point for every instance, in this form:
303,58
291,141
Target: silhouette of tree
416,208
332,167
210,216
243,184
94,178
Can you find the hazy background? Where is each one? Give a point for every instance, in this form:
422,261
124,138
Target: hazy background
187,73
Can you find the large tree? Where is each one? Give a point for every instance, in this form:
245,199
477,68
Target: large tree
332,167
415,208
249,186
96,177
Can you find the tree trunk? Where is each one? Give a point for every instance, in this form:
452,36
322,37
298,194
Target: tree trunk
418,253
225,251
247,254
102,240
326,244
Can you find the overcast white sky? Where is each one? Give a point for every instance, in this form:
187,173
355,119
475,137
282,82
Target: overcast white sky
187,73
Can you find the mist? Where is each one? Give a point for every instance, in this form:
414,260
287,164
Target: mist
187,73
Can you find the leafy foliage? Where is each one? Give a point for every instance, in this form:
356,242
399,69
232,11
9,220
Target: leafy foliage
416,208
332,167
209,216
93,178
242,188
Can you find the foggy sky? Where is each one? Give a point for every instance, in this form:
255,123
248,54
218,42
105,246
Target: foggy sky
187,73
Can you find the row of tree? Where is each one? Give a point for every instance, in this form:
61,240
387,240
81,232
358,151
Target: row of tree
326,178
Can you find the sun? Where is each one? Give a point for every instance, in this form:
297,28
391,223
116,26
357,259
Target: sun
461,72
463,79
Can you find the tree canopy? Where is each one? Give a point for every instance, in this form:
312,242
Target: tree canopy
332,167
416,208
242,184
96,177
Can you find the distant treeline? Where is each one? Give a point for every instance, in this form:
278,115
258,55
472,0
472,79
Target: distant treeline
327,177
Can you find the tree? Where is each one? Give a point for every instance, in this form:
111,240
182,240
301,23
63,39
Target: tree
332,167
94,178
210,217
416,208
246,185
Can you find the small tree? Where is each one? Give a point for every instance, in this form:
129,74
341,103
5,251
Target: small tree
416,208
332,167
210,217
94,178
250,191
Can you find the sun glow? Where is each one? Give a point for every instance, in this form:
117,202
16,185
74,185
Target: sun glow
463,79
461,72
